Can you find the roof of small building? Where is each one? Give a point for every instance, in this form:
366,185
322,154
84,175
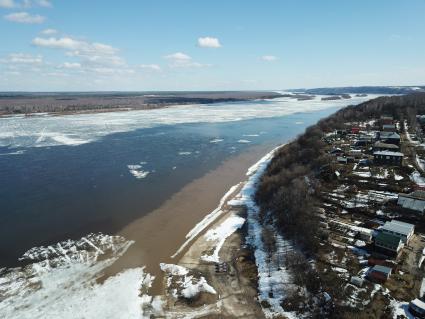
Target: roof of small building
386,145
388,239
388,153
389,135
382,269
418,303
418,194
410,201
399,227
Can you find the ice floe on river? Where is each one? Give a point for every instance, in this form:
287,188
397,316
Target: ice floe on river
60,281
137,170
77,129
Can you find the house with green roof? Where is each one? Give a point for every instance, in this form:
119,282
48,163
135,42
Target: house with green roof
388,244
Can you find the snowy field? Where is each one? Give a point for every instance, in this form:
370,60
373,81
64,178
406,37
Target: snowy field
46,130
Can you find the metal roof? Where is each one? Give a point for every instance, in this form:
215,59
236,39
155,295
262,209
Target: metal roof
389,135
409,202
418,303
388,153
399,227
383,269
386,145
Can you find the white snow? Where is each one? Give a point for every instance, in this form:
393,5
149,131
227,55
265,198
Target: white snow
421,163
397,177
174,270
183,284
191,289
417,178
273,280
204,223
363,174
382,175
220,234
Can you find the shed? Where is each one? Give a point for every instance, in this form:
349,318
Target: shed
379,273
414,201
357,281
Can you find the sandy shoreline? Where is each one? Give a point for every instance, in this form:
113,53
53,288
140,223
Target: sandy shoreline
159,234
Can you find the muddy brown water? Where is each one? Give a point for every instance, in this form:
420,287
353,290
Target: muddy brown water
160,233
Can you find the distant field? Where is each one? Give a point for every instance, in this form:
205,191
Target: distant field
23,103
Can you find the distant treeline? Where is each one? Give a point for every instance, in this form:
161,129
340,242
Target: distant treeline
364,90
287,188
25,103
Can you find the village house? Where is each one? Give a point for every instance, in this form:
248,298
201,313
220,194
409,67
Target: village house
363,140
342,160
379,273
402,230
384,120
379,146
388,137
388,158
355,153
414,201
355,130
388,244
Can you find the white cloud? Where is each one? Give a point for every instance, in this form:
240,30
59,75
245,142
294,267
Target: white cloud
25,17
269,58
49,31
209,42
22,58
153,67
182,60
35,3
94,57
7,4
71,65
90,52
178,56
44,3
58,43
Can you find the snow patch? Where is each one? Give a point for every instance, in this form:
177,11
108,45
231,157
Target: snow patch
184,285
220,234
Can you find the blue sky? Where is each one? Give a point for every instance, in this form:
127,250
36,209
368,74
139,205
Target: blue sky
60,45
